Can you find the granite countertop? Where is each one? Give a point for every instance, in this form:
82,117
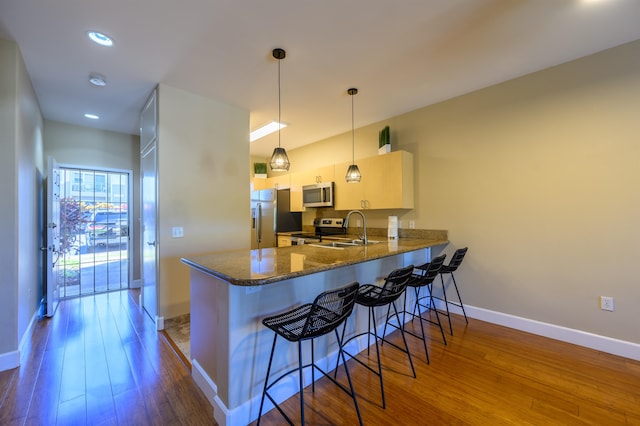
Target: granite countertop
270,265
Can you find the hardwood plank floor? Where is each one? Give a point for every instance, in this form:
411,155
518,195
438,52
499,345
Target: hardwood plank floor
486,375
100,361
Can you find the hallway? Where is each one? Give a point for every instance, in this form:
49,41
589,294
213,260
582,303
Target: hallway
100,361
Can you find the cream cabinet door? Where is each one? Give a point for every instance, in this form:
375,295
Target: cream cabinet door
347,196
258,183
278,182
297,180
387,183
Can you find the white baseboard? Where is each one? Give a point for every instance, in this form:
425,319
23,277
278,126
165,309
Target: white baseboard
26,337
210,390
9,360
159,323
577,337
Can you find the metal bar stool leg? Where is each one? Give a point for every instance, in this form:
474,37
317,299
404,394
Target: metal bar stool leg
266,380
301,393
384,403
424,338
346,369
446,304
406,346
432,303
455,285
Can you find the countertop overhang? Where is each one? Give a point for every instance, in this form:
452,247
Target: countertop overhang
270,265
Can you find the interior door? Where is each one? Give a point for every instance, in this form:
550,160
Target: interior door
53,236
148,171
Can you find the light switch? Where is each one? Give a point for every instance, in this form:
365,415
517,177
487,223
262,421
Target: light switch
177,232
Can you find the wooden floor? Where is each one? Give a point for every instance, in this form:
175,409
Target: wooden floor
486,375
100,361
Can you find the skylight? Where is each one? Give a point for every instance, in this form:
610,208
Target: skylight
265,130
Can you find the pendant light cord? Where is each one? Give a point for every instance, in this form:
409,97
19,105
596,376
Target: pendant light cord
353,135
279,107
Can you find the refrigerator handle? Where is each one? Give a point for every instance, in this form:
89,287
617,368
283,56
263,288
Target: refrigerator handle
259,224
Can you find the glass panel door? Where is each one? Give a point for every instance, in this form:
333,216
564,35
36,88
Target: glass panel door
95,223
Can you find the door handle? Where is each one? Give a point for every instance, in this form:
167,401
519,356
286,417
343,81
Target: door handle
151,243
259,224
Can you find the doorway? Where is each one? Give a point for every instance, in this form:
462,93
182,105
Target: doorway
95,245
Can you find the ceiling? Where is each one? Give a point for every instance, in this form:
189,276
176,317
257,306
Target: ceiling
401,55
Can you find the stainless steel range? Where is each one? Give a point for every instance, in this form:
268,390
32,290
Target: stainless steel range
324,227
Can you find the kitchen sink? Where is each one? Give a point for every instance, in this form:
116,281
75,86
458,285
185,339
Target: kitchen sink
342,244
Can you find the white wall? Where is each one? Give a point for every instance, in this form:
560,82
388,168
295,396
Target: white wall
20,185
539,177
203,158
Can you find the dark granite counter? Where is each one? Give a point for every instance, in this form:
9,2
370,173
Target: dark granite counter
270,265
230,297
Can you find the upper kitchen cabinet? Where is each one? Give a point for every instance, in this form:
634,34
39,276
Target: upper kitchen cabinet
309,177
258,183
278,182
387,183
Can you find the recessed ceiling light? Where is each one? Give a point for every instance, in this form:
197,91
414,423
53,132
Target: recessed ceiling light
265,130
91,116
97,79
100,38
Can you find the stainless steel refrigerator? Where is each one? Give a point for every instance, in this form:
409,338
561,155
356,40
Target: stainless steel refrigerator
270,214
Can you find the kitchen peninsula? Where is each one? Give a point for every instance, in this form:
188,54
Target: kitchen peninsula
232,291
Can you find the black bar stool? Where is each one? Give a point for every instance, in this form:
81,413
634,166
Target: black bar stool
324,315
370,295
424,276
454,263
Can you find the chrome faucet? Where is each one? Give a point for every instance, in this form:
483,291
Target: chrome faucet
345,224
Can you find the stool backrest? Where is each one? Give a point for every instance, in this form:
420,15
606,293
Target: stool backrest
329,310
456,259
394,284
429,271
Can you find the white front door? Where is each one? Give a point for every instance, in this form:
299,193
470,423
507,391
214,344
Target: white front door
53,236
148,171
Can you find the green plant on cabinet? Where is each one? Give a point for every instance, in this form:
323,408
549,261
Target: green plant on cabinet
384,141
260,170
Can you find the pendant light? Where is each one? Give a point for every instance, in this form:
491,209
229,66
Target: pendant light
279,160
353,174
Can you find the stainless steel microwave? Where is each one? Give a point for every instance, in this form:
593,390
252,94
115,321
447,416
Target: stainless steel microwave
318,195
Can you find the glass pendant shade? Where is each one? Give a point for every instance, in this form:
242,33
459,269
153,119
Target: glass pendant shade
279,160
353,174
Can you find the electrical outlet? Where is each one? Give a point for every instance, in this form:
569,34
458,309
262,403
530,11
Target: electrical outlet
606,303
177,232
412,224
